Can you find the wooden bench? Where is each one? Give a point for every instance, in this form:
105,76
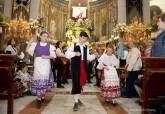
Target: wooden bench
154,83
7,79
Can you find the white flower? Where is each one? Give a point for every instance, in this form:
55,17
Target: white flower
120,27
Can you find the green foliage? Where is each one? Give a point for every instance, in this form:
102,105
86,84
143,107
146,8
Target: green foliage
4,19
152,27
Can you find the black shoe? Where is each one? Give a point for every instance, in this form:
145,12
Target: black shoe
27,93
114,102
97,85
38,103
89,81
139,102
127,97
107,101
60,86
64,81
43,100
80,103
75,107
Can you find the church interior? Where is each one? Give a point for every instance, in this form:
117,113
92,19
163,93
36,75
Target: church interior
124,37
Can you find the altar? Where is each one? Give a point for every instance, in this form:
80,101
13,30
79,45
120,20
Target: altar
74,27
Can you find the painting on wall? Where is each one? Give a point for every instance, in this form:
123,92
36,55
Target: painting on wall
134,8
53,28
110,23
92,24
1,9
104,27
155,11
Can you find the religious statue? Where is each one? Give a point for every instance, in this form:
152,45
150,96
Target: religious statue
80,21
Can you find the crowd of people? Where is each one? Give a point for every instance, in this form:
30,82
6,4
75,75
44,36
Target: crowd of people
51,63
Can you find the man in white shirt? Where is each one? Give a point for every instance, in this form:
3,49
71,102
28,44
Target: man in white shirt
79,54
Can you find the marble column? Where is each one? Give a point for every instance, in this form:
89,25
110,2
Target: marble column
34,9
8,8
97,25
107,24
122,11
146,11
69,9
88,9
100,25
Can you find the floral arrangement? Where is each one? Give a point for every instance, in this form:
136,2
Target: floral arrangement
120,27
73,28
18,29
151,27
36,23
36,26
70,23
137,31
79,23
88,23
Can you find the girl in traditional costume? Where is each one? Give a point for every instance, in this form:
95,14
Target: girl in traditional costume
42,80
110,88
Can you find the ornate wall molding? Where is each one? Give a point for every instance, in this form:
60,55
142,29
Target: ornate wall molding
54,13
134,8
60,3
105,12
100,4
2,7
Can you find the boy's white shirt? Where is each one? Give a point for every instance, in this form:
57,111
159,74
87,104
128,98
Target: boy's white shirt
70,52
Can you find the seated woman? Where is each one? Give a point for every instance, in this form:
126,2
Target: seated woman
11,49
